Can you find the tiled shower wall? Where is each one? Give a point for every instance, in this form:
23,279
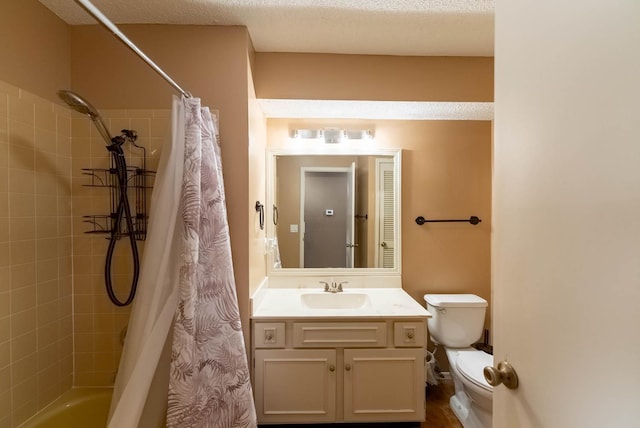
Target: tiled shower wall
57,327
36,341
99,324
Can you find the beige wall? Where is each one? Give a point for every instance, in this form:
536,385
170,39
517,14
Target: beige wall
446,164
373,77
257,188
35,48
446,173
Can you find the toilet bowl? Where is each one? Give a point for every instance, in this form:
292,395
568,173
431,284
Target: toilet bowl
457,322
473,398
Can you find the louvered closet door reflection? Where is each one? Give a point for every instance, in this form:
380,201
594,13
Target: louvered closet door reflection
386,220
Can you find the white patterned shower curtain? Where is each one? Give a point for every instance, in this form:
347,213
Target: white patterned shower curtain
185,350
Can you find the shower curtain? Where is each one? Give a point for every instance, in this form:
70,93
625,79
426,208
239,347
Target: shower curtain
185,350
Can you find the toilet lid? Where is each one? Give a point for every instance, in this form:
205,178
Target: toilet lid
471,366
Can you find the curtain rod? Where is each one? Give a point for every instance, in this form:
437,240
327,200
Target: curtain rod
101,18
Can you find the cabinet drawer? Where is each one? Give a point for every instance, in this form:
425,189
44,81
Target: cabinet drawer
269,335
409,334
352,334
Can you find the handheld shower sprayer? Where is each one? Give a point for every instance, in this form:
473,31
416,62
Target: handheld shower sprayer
83,106
123,210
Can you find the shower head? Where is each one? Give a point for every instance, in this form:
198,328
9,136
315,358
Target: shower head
83,106
78,103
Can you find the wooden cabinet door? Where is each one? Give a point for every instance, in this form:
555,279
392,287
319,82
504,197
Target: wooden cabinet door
383,385
295,385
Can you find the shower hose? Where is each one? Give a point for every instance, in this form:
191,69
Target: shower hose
123,213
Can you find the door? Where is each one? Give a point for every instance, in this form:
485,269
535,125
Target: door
383,384
327,208
566,204
282,382
385,220
350,235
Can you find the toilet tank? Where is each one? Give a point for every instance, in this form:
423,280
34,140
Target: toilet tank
457,319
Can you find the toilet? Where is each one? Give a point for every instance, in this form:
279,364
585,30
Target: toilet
457,322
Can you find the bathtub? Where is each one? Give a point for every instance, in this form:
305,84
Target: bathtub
78,407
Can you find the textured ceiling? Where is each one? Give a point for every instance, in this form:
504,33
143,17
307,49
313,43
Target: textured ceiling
391,27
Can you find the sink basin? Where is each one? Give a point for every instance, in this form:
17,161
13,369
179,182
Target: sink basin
335,300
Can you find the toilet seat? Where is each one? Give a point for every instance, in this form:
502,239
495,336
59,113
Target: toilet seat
471,365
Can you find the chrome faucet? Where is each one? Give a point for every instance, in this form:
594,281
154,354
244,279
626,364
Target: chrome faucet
333,287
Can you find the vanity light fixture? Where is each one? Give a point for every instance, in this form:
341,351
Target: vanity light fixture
331,135
359,134
307,134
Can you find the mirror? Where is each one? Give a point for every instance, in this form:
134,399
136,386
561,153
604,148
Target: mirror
337,211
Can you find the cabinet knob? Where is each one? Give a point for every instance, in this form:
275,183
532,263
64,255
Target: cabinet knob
410,334
332,368
347,367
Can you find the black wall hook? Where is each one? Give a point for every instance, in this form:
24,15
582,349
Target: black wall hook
473,220
260,209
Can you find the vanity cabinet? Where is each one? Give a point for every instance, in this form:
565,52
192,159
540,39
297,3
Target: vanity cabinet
339,371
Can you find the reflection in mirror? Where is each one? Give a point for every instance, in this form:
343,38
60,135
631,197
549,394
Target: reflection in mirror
336,211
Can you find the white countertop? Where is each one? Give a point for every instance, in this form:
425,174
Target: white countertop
282,303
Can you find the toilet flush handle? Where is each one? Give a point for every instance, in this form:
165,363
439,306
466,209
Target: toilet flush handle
504,373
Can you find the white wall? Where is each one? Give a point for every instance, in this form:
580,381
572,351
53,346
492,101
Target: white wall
566,248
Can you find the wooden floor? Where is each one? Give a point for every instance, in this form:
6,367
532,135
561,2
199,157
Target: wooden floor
438,412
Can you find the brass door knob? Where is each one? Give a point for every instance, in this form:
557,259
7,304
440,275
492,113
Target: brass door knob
504,374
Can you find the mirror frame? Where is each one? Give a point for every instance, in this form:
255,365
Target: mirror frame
334,150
